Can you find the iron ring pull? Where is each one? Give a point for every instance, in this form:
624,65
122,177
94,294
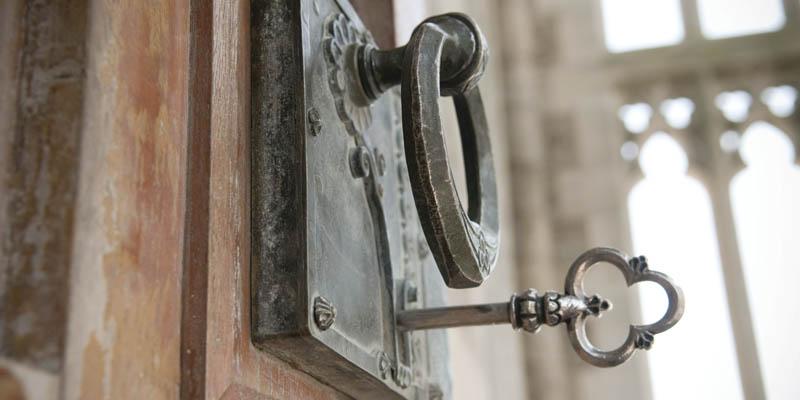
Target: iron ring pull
464,244
446,55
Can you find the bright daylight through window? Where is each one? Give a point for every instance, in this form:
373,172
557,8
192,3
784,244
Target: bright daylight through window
672,219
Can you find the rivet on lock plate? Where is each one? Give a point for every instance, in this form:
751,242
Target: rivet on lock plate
354,207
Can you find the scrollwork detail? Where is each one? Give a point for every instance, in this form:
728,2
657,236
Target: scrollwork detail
340,41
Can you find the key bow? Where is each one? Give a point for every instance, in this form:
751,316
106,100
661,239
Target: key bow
634,270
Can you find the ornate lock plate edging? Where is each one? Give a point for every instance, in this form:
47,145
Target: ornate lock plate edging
320,296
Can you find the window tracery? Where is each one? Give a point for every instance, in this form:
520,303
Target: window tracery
668,208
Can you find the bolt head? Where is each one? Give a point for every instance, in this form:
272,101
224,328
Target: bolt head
360,162
314,121
324,313
381,164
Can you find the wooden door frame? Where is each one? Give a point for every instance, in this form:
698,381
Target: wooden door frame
218,359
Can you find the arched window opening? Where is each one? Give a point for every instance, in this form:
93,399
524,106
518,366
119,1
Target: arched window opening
635,117
765,198
672,224
780,100
735,106
677,112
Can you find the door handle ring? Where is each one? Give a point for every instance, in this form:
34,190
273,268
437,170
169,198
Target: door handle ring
446,55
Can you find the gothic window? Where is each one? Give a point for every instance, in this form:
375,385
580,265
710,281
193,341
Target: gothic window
672,222
765,197
717,186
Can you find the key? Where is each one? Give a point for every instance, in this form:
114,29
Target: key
531,310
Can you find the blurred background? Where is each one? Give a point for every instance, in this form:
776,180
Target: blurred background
666,128
662,127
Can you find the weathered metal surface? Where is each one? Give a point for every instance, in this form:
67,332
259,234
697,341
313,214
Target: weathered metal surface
293,234
40,120
332,214
447,52
237,370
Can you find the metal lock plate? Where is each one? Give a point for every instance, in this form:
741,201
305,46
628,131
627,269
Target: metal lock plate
352,209
337,247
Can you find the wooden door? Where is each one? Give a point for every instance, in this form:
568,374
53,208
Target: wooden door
125,202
